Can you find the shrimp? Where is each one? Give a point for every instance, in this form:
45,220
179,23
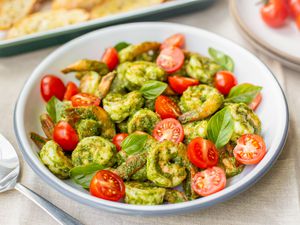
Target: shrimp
143,193
85,65
105,84
132,51
245,120
38,140
202,68
122,127
87,128
143,120
166,164
119,106
94,150
89,83
199,102
187,183
195,129
53,157
47,125
175,196
140,175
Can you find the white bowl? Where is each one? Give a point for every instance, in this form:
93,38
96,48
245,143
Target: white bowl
273,110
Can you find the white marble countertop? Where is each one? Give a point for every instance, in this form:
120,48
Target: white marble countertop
273,200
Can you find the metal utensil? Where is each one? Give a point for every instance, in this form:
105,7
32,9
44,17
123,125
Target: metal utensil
9,172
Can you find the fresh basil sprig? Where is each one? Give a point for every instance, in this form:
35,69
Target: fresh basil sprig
243,93
83,175
55,108
152,89
222,59
220,127
134,143
121,46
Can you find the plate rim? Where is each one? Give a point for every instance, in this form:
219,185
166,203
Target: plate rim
84,198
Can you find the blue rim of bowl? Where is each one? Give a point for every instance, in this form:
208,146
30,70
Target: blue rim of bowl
154,211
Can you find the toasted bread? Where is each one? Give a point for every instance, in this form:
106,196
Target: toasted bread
11,11
110,7
44,21
82,4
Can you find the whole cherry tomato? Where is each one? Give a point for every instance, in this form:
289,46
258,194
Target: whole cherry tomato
52,86
274,13
111,58
65,136
117,140
224,81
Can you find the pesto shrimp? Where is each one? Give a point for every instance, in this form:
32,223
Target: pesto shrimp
143,120
89,83
187,183
174,196
94,150
166,164
132,51
199,102
85,65
87,128
53,157
195,129
119,106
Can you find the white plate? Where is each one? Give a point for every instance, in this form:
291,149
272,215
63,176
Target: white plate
248,68
284,41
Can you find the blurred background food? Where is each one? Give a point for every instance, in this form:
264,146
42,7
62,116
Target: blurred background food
22,17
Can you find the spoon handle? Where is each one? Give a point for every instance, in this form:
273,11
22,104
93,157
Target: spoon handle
56,213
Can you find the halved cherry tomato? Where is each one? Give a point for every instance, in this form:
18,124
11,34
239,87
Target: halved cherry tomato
170,59
176,40
84,99
65,136
274,13
52,86
168,129
202,153
250,149
107,185
166,107
117,140
256,101
224,81
209,181
111,58
71,90
294,6
180,84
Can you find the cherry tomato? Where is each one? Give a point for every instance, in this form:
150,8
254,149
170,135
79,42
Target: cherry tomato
170,59
168,129
250,149
166,108
209,181
180,84
256,101
294,6
224,81
176,40
298,21
65,136
274,13
111,58
202,153
71,90
107,185
84,99
52,86
117,140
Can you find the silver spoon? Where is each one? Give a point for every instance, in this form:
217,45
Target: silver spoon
9,172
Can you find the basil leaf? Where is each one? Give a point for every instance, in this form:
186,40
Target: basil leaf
222,59
83,175
244,93
220,127
121,46
55,108
134,143
152,89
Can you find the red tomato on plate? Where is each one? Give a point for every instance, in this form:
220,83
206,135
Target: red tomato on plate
224,81
71,90
256,101
170,59
168,129
250,149
117,140
111,58
209,181
84,99
107,185
166,107
202,153
176,40
180,84
294,7
52,86
65,136
274,13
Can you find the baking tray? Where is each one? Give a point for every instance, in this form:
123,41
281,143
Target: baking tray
63,34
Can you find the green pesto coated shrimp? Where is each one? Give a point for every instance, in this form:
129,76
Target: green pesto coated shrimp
119,106
143,193
47,125
175,196
166,164
195,129
94,150
122,127
199,102
140,175
245,120
85,65
89,83
202,68
132,51
87,128
53,157
143,120
187,183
